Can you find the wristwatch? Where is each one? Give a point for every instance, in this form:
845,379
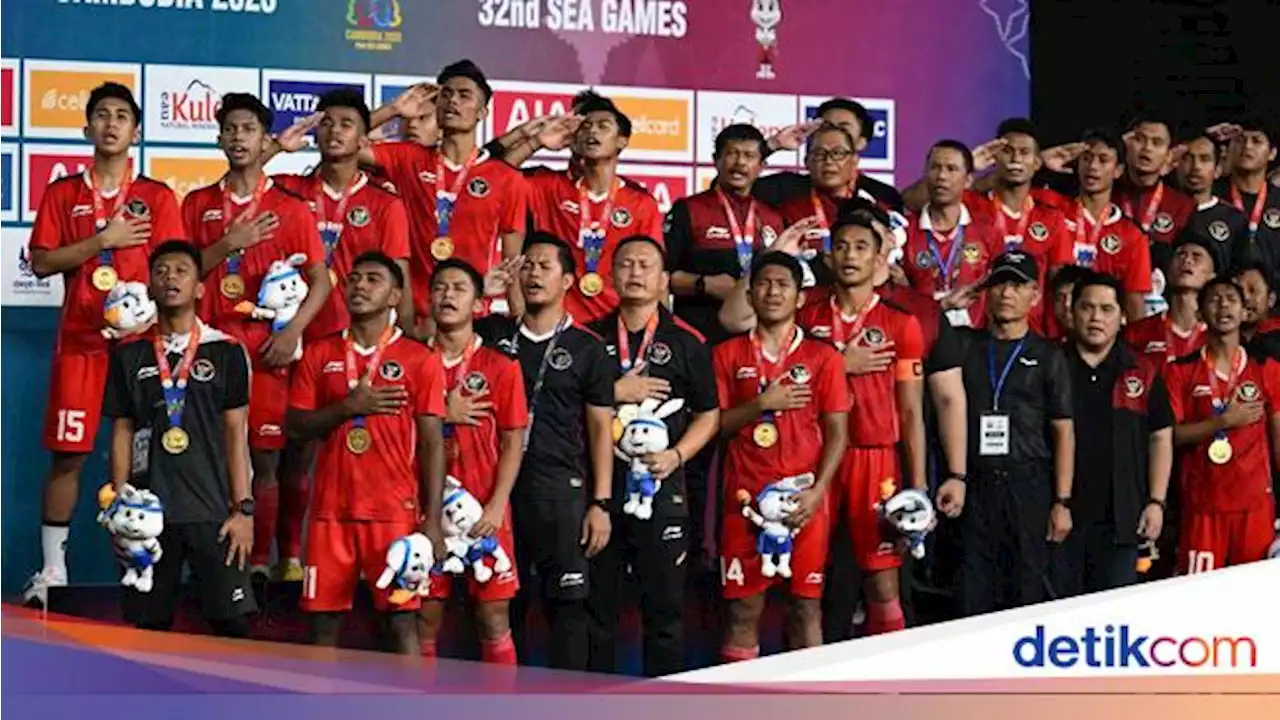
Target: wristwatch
602,503
957,476
1158,503
1063,500
700,286
244,507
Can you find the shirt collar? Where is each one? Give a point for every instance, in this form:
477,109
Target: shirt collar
336,195
795,343
566,321
926,223
245,199
367,351
1213,201
451,363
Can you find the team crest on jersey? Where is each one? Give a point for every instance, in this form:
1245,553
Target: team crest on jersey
621,218
359,216
1163,222
560,359
137,207
475,382
800,375
202,370
1272,218
923,260
391,370
1249,392
1038,231
873,336
478,187
507,346
1134,387
1110,244
1219,230
769,235
972,253
660,353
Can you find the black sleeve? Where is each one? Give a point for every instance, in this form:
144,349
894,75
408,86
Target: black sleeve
948,349
702,376
597,375
1057,384
116,399
236,366
495,150
1159,412
677,231
493,328
779,187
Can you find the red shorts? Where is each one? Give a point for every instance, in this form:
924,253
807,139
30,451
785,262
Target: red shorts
268,403
740,564
867,477
77,382
501,586
341,552
1217,540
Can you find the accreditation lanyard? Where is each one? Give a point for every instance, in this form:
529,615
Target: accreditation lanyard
447,199
375,362
591,232
763,366
1255,215
843,335
1220,393
1087,239
744,236
821,215
948,267
1149,214
639,361
251,210
460,375
563,325
331,231
997,384
174,383
1012,239
106,257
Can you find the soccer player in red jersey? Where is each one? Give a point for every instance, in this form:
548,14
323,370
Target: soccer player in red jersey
832,161
1103,238
96,229
948,251
375,401
242,224
1177,331
1228,427
784,407
887,406
1160,209
483,436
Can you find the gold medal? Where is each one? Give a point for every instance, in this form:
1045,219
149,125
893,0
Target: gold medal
175,441
105,277
591,284
359,440
333,278
442,248
232,286
1220,451
765,435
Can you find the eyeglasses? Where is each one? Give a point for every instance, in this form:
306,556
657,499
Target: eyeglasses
838,155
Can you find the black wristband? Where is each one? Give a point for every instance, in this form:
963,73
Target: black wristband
957,476
602,503
1063,500
1158,503
700,286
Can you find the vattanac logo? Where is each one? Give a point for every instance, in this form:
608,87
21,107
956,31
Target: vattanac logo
374,24
1121,646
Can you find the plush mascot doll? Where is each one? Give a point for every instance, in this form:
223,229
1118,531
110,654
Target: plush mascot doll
766,14
280,296
128,310
461,513
910,513
409,562
135,519
774,505
644,432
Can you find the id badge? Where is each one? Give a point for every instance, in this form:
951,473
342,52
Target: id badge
993,435
141,453
959,317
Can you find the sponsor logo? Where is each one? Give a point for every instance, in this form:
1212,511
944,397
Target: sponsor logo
149,371
335,366
9,96
374,24
21,286
46,163
1201,391
672,532
269,430
718,110
515,105
745,373
661,125
58,94
665,184
186,170
182,101
293,96
572,580
1121,646
878,154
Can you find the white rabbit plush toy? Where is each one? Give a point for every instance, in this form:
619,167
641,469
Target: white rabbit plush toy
128,310
461,513
645,431
766,14
776,502
135,519
409,562
280,295
912,515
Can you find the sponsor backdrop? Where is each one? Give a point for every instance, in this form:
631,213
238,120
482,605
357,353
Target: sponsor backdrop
682,69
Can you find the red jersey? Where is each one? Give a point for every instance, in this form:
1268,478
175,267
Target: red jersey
202,212
966,252
1161,211
873,417
799,446
66,216
491,201
1244,481
473,450
365,218
381,484
1117,248
1156,336
556,199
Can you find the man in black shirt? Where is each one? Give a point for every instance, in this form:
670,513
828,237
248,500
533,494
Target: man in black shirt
1019,397
1247,189
660,359
1213,218
563,496
179,399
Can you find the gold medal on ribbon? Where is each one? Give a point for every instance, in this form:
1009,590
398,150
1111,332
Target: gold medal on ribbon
765,435
591,284
1220,451
442,248
333,278
359,440
105,277
232,286
175,441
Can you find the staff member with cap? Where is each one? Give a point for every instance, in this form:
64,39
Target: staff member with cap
1017,496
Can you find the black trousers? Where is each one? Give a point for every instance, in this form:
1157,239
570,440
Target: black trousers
1004,558
224,590
1090,560
554,568
656,552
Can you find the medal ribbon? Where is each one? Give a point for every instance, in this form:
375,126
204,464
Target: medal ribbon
997,385
591,233
563,325
763,365
1220,396
1002,221
1153,206
1258,204
1087,239
624,343
743,241
837,322
328,235
948,268
375,362
445,201
460,374
107,256
822,220
175,389
228,207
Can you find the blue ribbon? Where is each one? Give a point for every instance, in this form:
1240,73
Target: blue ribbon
997,386
948,266
592,248
444,214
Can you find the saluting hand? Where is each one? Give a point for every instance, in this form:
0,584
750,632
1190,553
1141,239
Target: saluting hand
294,137
1058,159
984,156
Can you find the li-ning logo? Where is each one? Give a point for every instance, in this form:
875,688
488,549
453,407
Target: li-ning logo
1119,646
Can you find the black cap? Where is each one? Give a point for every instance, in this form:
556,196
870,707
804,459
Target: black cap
1016,266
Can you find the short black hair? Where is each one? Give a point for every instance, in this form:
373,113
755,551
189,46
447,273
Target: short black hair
376,257
1192,133
781,259
469,70
950,144
176,247
827,127
1105,137
563,251
856,218
741,132
346,97
1218,281
1067,275
866,125
1151,118
1255,266
244,101
453,263
112,90
589,101
1018,126
632,239
1259,123
1093,278
861,205
1191,236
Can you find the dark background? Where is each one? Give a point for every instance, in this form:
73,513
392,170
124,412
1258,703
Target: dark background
1194,61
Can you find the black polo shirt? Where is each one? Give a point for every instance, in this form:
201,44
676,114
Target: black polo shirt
577,374
679,355
1228,228
194,485
778,188
1264,246
1036,391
